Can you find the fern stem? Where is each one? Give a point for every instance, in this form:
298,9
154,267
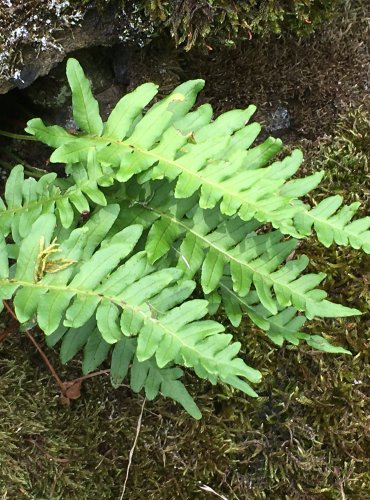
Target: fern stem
19,137
17,158
38,172
31,173
47,362
91,375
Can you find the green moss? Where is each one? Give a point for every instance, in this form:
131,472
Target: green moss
227,22
305,437
216,22
345,156
190,21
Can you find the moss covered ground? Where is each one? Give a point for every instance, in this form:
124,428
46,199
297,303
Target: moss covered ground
307,436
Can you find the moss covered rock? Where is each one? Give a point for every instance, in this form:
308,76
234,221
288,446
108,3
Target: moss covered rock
226,21
36,34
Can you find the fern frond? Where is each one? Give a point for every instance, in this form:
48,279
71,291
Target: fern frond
173,195
209,243
126,299
167,141
213,159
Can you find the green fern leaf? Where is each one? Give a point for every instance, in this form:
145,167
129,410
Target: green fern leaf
286,325
95,352
168,141
54,136
28,199
85,106
212,158
74,340
122,355
171,387
25,201
321,344
127,110
173,194
149,376
333,224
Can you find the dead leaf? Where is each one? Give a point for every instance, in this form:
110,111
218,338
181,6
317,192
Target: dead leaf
72,389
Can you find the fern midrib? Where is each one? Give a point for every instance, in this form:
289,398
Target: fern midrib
24,208
267,277
123,304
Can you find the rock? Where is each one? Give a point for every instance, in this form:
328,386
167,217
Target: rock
278,119
108,99
24,77
31,46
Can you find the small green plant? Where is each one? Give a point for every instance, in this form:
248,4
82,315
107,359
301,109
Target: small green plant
107,258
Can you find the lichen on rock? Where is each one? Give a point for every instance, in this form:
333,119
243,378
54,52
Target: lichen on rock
37,34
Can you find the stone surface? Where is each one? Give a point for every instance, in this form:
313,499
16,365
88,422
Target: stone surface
278,119
26,53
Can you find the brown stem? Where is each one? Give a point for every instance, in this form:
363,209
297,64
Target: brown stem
91,375
10,310
46,361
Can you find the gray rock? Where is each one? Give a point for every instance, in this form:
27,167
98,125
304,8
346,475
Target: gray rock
278,119
27,53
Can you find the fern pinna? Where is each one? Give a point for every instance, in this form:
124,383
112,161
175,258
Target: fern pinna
176,198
